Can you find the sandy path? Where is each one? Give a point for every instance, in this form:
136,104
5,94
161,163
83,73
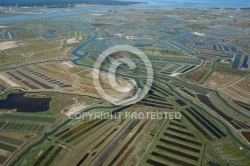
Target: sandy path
69,64
3,26
8,81
72,41
198,33
73,109
7,45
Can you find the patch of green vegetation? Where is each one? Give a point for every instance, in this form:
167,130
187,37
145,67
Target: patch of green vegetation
60,101
199,75
2,88
175,53
4,96
28,118
196,27
230,153
8,60
3,159
231,71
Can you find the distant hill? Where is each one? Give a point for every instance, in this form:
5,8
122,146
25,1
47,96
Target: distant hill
61,2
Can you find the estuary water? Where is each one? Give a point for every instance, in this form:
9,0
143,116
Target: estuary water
194,3
23,104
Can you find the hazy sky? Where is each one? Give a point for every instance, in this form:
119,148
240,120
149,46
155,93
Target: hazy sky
204,3
151,3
